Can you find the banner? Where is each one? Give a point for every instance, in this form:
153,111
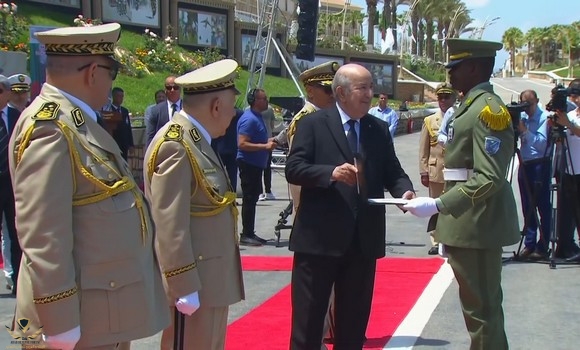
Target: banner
37,61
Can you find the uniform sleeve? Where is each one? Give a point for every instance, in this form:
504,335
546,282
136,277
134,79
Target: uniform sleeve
493,148
43,191
170,198
424,148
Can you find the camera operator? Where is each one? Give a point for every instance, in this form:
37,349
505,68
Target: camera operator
569,210
534,175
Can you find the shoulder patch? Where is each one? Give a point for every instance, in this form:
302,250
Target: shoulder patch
195,135
174,133
78,117
495,115
47,111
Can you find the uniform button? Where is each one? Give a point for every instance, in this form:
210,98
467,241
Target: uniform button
112,284
111,176
200,257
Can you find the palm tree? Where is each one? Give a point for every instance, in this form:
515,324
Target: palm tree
513,39
371,12
533,38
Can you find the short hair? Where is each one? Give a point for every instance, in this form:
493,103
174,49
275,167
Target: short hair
383,93
485,65
159,92
529,92
574,84
340,79
117,89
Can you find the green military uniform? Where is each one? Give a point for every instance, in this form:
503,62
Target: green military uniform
478,206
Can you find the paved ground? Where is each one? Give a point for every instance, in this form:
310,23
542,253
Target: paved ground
541,304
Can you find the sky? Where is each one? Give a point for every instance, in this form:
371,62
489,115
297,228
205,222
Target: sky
513,13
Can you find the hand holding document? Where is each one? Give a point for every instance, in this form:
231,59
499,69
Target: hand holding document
387,201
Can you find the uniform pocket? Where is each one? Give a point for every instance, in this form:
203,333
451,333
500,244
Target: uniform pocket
117,203
112,296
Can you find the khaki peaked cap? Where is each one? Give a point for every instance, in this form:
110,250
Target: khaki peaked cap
321,74
215,76
81,41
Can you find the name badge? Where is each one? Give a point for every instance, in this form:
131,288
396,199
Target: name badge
210,171
450,133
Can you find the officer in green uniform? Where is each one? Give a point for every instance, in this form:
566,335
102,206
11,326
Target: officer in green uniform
478,208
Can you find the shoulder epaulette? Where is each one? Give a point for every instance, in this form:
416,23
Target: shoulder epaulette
495,115
47,111
174,133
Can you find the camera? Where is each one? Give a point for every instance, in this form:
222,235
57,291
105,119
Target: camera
515,109
559,98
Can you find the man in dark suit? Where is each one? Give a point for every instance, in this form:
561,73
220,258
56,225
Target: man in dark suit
161,113
341,156
8,118
123,135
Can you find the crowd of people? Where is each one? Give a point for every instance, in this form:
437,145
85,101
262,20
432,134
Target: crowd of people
175,266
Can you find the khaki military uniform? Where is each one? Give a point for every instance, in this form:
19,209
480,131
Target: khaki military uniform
307,109
84,228
479,211
193,207
431,155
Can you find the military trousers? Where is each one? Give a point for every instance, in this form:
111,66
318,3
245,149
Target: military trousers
204,330
478,273
435,190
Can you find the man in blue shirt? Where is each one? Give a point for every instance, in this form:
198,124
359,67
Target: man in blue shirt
384,113
534,176
254,146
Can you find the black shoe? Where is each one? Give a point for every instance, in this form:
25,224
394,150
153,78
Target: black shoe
566,252
574,258
525,253
249,241
538,255
260,239
434,250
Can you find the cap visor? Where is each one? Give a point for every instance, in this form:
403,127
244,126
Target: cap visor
453,63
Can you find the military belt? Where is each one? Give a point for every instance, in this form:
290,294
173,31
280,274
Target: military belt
457,174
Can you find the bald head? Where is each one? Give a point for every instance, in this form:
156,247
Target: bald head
353,89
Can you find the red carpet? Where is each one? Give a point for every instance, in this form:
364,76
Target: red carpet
399,283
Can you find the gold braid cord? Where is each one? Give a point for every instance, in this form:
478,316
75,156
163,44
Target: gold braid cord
218,203
107,191
432,133
56,297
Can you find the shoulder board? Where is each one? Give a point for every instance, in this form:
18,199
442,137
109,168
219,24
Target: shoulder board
195,135
174,133
47,111
494,114
78,117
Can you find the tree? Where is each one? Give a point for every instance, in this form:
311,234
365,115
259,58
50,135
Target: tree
371,12
513,39
533,39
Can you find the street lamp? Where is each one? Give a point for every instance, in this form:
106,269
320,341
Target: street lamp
346,6
486,24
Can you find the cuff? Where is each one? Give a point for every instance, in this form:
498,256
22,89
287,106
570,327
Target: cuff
441,207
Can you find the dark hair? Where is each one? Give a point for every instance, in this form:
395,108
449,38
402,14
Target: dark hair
383,93
116,89
251,98
485,65
575,84
159,92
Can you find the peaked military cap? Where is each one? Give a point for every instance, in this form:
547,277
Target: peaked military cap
321,74
20,83
462,49
444,88
215,76
81,41
4,82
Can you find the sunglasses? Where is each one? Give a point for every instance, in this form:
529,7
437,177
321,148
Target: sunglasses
171,87
113,70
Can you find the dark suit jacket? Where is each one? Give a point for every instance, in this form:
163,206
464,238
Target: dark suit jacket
159,117
12,117
332,213
123,135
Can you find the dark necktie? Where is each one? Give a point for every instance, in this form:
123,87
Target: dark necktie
173,109
352,137
4,138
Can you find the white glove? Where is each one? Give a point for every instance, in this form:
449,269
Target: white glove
64,341
188,304
422,207
442,139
